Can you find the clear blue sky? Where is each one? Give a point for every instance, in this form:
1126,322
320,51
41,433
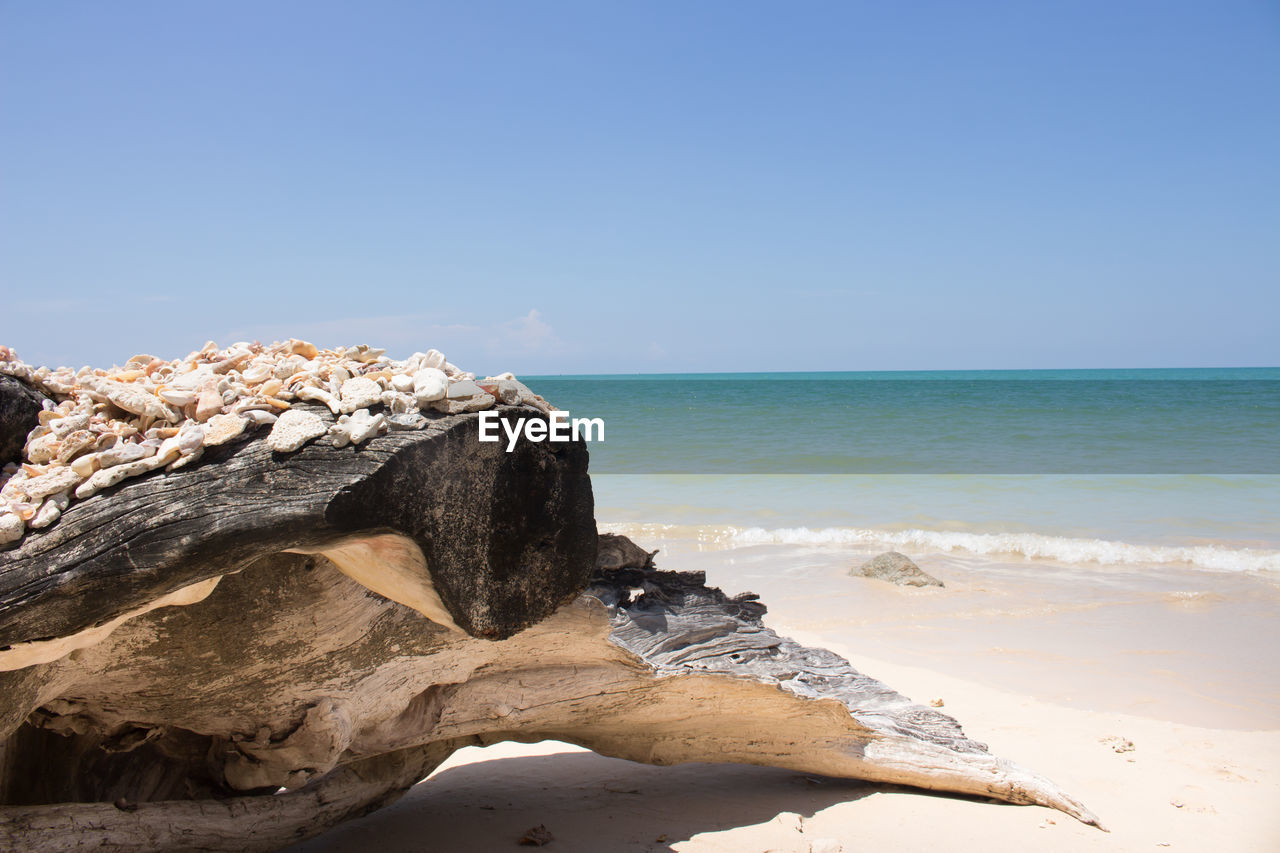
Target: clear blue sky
646,186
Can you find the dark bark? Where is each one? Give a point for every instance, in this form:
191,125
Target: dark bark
20,406
508,537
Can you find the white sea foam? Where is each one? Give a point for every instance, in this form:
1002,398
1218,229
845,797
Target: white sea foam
1063,549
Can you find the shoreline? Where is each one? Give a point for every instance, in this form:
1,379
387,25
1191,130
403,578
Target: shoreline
1160,777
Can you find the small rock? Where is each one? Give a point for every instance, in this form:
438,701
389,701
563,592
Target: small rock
537,837
293,429
619,552
464,388
895,568
20,406
407,421
429,384
1118,744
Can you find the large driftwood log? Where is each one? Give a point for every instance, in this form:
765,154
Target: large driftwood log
349,617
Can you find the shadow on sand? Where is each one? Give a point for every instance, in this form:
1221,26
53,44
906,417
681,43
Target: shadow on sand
589,803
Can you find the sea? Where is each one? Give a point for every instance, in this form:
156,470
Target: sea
1126,518
1077,466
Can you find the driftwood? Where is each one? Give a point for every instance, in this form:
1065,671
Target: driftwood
243,653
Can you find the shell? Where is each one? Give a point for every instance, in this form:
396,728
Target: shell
108,425
317,395
11,527
360,393
294,429
223,428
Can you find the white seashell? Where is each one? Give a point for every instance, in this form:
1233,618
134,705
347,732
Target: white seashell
318,395
259,417
223,428
75,444
402,383
190,438
176,396
12,527
85,465
192,381
186,459
363,353
57,480
42,449
135,399
433,358
51,510
294,429
259,371
360,393
208,404
71,423
123,454
358,427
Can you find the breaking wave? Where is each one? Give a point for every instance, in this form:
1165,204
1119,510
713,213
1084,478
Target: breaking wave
1063,549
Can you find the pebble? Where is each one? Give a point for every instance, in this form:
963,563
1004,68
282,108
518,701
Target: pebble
464,388
429,384
406,421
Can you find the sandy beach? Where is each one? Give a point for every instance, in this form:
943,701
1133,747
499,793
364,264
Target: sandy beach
1018,655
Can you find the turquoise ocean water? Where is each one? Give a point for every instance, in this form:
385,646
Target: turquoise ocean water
1090,467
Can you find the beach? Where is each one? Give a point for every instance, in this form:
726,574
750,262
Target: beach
1149,695
1110,615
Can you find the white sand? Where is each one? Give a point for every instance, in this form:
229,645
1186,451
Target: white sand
1047,672
1186,787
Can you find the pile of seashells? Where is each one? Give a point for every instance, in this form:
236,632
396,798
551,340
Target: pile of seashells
105,426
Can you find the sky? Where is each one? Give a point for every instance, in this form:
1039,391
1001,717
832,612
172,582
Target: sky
586,187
